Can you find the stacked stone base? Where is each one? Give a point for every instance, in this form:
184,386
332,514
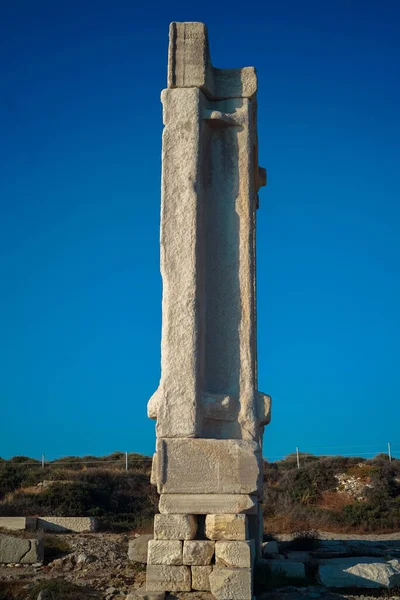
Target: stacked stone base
210,553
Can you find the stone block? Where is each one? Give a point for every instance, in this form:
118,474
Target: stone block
164,552
215,466
360,572
270,548
162,578
137,549
198,552
234,554
64,524
201,578
226,527
20,550
299,556
287,567
18,523
145,595
202,504
175,527
231,584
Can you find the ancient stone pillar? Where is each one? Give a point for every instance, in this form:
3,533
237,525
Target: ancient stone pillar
210,415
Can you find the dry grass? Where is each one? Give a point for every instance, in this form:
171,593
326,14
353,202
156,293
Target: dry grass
24,490
362,471
335,501
284,523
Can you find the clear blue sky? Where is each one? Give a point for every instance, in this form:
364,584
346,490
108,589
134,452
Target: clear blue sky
80,303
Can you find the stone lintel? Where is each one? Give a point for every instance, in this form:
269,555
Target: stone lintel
203,504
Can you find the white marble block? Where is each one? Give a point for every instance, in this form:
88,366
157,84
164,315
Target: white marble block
198,552
226,527
175,527
164,552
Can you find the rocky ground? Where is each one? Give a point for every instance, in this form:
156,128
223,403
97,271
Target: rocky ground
98,563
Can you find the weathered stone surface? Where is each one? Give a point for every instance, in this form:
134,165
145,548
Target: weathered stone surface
210,414
145,595
287,567
226,527
189,65
160,578
138,547
202,504
215,466
18,523
20,550
208,355
63,524
234,554
198,552
270,548
164,552
193,595
362,572
175,527
231,584
201,578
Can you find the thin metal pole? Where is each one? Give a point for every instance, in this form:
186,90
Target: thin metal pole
42,461
126,461
298,458
389,452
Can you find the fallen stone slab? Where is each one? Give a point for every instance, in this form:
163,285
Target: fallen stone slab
203,504
270,547
286,567
18,523
66,524
138,548
361,572
19,550
299,556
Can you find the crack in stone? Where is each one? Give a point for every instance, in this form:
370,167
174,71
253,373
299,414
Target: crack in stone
27,552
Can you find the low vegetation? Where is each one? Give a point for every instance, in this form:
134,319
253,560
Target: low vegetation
311,498
86,487
307,499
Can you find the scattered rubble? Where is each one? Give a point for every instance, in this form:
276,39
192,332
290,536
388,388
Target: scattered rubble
352,485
